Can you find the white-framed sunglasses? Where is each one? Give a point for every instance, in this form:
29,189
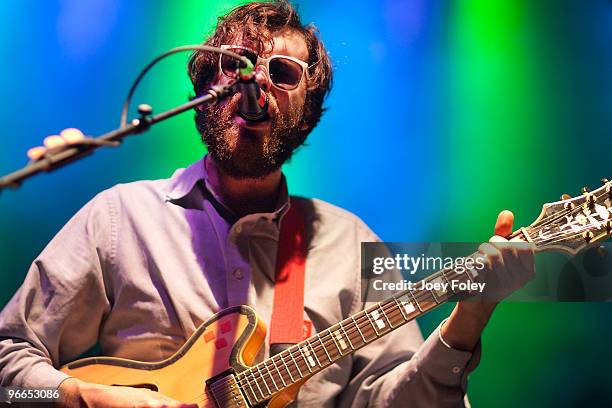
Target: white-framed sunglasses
285,72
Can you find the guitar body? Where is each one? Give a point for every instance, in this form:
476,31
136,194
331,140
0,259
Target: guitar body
227,342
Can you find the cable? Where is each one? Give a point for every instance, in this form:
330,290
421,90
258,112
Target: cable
245,69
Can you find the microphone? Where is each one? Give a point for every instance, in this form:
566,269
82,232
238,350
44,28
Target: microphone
253,104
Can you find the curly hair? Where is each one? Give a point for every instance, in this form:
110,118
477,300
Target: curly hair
256,24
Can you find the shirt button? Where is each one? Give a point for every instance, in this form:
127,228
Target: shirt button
456,370
238,274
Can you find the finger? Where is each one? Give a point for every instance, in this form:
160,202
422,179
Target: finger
514,267
526,255
496,273
54,141
503,226
72,135
497,239
509,252
493,258
37,152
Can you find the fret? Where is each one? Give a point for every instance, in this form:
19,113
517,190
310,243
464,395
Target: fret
264,379
335,354
305,358
359,330
445,277
271,376
279,372
401,308
437,293
314,352
287,367
347,336
296,364
395,313
378,320
333,337
257,384
427,301
248,382
416,303
366,330
382,309
372,323
340,338
408,304
324,348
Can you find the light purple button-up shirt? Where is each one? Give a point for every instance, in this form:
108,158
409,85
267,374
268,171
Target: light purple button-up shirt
143,264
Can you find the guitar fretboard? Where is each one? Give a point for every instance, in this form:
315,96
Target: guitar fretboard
320,351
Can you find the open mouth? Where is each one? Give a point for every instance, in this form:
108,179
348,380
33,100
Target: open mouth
258,124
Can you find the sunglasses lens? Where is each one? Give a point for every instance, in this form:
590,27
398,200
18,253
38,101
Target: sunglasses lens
229,65
285,73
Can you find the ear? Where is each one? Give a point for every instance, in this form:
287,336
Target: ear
304,126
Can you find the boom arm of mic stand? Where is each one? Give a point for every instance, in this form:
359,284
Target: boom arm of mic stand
53,161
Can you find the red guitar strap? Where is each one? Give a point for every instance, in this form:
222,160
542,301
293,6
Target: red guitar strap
286,325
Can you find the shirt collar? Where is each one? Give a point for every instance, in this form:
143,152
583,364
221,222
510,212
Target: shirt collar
183,181
183,187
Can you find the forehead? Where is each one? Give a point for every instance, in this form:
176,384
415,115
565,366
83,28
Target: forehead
288,42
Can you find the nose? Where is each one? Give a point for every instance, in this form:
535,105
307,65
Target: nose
262,78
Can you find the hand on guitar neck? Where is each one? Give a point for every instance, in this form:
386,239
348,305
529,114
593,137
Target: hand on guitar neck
508,268
77,393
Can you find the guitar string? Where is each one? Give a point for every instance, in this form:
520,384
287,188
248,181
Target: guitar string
257,372
574,234
388,306
393,309
578,209
535,229
255,379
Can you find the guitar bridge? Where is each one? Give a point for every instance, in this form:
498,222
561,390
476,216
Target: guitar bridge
226,392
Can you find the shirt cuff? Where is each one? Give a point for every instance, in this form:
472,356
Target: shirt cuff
445,364
44,376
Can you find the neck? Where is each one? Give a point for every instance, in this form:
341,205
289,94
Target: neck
244,196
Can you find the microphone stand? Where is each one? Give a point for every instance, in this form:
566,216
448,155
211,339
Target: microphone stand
60,156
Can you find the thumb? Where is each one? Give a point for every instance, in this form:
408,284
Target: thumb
503,226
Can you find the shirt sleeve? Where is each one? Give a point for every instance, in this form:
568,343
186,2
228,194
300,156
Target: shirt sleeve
56,313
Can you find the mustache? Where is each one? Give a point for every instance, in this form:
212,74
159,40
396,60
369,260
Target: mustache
230,105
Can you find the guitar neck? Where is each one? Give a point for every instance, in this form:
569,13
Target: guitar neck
318,352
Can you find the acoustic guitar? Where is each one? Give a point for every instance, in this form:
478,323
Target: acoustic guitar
215,367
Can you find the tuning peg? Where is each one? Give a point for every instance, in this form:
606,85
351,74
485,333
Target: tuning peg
590,198
608,185
565,196
588,236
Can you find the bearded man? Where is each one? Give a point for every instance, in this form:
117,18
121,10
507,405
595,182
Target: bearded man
143,264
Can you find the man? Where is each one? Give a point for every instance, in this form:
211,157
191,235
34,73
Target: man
142,265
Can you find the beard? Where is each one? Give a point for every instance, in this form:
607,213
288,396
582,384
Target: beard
238,151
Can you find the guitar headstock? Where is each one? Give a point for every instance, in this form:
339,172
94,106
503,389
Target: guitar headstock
572,223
